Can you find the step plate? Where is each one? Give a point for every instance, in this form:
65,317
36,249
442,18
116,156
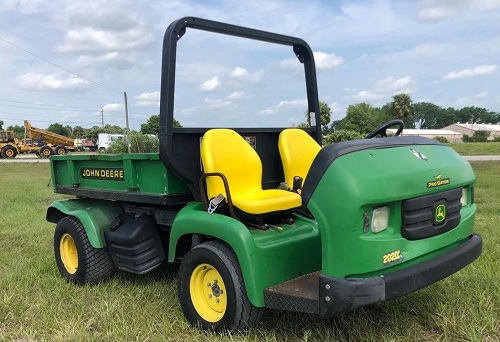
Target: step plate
299,294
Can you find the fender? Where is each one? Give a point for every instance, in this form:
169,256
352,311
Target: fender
266,258
96,216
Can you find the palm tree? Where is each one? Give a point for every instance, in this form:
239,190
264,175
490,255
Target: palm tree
325,113
401,106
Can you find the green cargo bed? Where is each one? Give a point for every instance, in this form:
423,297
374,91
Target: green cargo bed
140,178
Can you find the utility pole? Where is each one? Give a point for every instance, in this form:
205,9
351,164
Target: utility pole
126,118
102,117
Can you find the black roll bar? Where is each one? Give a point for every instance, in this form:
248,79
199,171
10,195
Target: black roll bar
174,32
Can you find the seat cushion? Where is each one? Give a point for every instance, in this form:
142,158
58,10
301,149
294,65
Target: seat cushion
297,150
264,201
227,152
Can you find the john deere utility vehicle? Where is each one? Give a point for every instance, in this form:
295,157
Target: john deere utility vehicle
264,217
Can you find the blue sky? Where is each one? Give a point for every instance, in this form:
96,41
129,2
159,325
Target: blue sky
442,51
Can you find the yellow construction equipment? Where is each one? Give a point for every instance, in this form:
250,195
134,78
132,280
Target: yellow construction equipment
36,140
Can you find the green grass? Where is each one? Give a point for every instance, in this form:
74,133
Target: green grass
36,304
477,149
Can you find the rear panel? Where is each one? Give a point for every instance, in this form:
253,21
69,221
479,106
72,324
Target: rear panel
129,177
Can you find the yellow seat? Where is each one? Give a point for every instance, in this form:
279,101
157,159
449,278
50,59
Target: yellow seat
225,151
297,150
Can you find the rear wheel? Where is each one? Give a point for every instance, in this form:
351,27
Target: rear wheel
60,150
45,151
77,261
9,152
211,290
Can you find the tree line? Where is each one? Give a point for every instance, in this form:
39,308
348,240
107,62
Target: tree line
78,132
360,119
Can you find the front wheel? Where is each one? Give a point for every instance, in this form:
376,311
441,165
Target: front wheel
77,261
9,152
211,290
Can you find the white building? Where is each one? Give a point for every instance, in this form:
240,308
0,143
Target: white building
469,129
450,135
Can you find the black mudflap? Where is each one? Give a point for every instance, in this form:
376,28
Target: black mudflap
135,244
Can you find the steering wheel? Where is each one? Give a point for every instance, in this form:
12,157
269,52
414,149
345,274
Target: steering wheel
382,129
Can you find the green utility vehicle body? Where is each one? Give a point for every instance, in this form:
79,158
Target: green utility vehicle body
331,255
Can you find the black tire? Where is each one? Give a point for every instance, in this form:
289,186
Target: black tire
60,150
9,152
45,151
239,313
77,261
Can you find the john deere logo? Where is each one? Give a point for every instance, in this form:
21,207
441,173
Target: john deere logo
439,181
440,213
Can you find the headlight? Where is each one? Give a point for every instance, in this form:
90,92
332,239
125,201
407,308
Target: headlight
380,219
463,199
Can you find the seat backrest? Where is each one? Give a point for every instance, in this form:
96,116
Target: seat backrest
297,150
227,152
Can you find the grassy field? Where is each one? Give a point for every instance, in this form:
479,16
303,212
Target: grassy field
477,149
37,305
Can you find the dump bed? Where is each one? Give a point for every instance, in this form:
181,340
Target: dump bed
140,178
47,136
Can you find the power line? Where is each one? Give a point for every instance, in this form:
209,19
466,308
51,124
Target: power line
61,108
58,66
45,104
31,92
45,121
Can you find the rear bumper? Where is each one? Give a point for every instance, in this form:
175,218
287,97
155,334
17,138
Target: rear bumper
337,295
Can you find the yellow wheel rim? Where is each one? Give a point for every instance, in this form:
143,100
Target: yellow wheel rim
208,293
9,153
46,152
60,152
69,254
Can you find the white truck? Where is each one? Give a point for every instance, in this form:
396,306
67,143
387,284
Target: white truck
105,139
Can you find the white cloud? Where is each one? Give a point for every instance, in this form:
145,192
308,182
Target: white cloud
291,64
326,61
24,6
390,84
239,72
36,81
440,9
113,60
113,27
285,104
469,73
293,103
148,99
91,39
323,61
387,86
211,85
365,95
114,107
435,13
235,95
267,111
242,74
216,103
481,95
336,108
